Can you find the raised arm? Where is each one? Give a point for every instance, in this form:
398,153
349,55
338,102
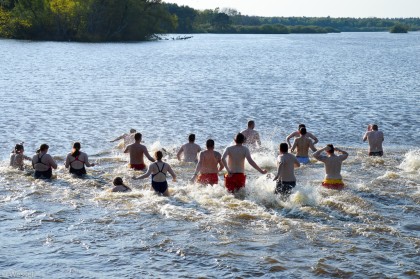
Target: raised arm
289,137
317,154
365,136
344,154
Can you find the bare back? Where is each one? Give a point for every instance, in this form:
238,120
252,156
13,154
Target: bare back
209,160
375,139
137,152
236,158
302,145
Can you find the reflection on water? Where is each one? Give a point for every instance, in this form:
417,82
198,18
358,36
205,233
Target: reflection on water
211,85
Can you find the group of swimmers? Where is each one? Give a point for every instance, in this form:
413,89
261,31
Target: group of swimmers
210,162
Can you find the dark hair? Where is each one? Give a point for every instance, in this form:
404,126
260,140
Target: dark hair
191,137
76,149
375,127
19,147
250,123
158,155
302,131
302,126
240,138
42,148
284,147
137,136
210,143
331,148
118,181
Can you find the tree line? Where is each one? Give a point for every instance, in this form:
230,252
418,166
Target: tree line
137,20
231,21
84,20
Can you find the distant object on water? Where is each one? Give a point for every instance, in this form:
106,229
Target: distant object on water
156,37
399,28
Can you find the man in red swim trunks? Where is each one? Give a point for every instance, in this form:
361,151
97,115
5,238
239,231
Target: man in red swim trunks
207,165
235,166
137,151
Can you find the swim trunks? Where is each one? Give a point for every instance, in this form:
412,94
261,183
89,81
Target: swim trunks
284,187
235,181
43,174
78,172
137,166
336,184
160,187
303,160
208,178
379,153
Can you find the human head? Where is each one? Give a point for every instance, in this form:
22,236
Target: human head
76,145
43,148
118,181
191,138
302,131
331,149
210,144
19,148
158,155
137,137
284,147
239,138
301,126
251,124
132,131
375,127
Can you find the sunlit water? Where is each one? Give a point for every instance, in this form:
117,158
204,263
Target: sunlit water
211,85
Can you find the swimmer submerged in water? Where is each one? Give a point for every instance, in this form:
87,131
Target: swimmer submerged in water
158,170
120,186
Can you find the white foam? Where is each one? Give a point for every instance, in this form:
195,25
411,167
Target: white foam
411,162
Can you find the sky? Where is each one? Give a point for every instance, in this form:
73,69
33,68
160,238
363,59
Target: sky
312,8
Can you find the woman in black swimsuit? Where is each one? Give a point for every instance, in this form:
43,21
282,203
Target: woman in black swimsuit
158,170
77,160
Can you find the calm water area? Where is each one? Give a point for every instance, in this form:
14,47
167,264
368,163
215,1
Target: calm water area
211,85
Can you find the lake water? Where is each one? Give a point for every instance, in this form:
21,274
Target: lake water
211,85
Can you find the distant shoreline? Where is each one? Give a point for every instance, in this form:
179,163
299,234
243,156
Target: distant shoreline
43,20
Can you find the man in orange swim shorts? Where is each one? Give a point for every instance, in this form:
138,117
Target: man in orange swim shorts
235,165
207,166
137,151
